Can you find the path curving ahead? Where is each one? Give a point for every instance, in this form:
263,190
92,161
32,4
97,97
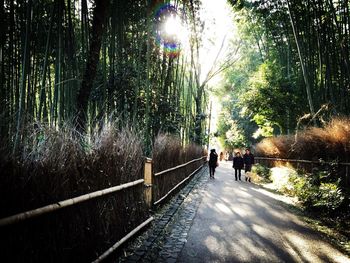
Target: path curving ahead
240,222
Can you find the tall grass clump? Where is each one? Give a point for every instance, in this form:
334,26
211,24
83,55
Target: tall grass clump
330,142
61,164
168,152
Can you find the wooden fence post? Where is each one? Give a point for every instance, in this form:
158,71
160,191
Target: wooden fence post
148,176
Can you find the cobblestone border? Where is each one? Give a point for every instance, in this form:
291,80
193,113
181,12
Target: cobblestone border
164,240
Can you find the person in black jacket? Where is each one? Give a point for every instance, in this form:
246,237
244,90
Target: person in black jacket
213,162
238,164
248,158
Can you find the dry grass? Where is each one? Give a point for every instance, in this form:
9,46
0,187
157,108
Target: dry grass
167,153
57,165
61,164
329,143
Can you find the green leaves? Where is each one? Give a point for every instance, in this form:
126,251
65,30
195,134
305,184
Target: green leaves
266,99
316,192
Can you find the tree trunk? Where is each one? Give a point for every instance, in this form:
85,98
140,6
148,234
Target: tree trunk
2,71
99,18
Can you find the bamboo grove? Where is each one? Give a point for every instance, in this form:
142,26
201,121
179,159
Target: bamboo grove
90,63
293,69
311,38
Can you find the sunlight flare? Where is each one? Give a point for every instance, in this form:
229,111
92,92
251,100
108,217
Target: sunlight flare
173,26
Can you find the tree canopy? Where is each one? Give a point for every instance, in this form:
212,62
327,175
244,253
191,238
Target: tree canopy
90,63
138,63
293,61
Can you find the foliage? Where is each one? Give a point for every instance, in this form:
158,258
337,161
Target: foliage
293,61
90,62
325,196
259,85
266,97
262,171
230,134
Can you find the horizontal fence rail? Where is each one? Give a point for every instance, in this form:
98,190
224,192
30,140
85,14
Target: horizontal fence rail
176,186
179,166
298,161
123,240
167,181
65,203
150,182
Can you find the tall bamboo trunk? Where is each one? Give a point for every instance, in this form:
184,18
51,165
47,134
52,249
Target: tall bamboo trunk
305,75
25,69
99,18
44,74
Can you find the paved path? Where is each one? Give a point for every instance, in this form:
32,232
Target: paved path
241,222
164,240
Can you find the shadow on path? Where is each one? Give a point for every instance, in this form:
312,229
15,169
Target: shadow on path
240,222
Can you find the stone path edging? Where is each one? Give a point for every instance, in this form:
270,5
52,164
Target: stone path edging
165,239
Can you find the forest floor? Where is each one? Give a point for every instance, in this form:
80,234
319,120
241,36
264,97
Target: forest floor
223,220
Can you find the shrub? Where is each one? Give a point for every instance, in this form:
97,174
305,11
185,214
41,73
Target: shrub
329,145
262,171
315,194
330,196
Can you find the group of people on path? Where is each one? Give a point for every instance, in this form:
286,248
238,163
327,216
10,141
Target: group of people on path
239,162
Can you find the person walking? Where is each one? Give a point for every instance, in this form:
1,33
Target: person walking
238,164
213,162
248,159
221,156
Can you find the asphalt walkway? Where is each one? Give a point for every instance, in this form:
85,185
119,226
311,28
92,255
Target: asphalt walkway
237,221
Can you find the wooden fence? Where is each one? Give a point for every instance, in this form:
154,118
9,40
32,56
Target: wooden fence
167,181
341,169
156,188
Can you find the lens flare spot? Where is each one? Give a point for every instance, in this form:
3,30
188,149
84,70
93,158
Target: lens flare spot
169,31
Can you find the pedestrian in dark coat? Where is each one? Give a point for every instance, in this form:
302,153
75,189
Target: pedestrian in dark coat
248,158
213,162
238,164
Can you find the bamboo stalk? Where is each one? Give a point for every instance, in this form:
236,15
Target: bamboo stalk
179,166
176,186
62,204
303,67
123,240
23,79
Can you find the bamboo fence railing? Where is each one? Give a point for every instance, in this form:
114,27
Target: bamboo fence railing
65,203
147,181
176,186
343,167
298,161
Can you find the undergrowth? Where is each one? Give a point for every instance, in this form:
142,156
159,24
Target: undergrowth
55,165
326,183
58,164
